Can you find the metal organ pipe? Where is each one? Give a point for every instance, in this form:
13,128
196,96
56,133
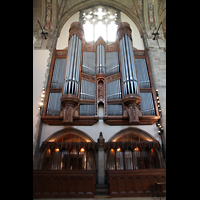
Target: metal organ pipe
129,77
123,71
100,59
125,66
73,66
77,68
129,65
97,59
133,68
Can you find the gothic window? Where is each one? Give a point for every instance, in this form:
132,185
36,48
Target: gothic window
100,21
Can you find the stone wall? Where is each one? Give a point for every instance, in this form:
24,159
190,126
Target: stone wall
157,58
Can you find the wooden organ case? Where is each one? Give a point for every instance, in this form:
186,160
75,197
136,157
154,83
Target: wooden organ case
99,73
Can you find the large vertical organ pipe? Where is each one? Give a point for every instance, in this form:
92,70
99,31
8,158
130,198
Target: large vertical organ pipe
133,64
129,76
129,64
125,66
73,66
123,71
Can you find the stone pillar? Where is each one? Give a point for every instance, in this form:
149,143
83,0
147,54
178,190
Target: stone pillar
101,160
157,58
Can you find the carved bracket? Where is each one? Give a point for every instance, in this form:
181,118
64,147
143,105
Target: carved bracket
132,101
133,113
69,102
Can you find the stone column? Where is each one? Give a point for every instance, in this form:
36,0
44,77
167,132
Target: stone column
157,58
101,160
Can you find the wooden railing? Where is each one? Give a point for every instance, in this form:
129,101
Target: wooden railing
136,183
63,183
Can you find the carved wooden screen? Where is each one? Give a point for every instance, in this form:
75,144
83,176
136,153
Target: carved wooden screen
68,151
133,152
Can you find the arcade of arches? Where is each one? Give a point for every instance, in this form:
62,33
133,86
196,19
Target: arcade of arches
130,151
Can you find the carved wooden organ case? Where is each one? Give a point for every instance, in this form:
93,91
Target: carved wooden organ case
84,75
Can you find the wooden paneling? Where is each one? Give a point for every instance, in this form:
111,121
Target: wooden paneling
136,183
61,184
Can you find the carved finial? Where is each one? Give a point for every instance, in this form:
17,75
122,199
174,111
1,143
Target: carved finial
101,141
76,28
123,28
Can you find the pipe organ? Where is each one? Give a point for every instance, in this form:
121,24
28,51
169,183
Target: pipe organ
115,75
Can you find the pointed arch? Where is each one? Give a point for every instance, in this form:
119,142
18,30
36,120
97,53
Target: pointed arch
67,131
132,130
111,4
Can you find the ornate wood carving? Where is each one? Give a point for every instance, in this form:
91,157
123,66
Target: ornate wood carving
131,102
100,91
101,141
68,145
100,88
100,40
77,120
77,28
88,46
124,120
88,77
69,101
111,47
113,77
123,28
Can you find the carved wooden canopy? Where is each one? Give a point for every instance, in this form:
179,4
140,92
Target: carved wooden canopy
106,145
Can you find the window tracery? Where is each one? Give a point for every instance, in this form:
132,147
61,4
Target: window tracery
100,21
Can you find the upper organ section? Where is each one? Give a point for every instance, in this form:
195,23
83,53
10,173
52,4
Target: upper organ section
115,75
